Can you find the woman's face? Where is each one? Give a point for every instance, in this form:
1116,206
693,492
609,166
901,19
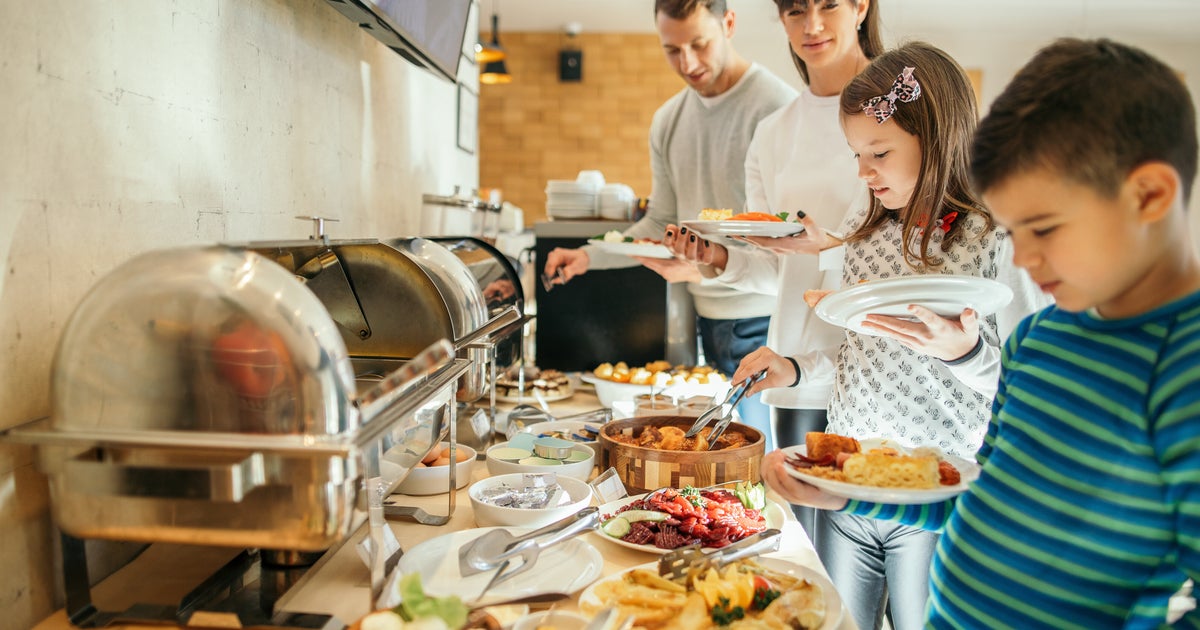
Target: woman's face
822,32
889,158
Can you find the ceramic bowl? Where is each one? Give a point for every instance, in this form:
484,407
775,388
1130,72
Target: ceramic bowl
488,515
580,470
436,479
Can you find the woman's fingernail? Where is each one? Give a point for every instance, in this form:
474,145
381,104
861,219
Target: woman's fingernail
670,233
706,243
683,230
800,214
692,238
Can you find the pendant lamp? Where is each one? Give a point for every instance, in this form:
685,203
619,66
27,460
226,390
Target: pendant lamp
492,51
495,72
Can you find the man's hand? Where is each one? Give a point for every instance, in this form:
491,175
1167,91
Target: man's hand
934,335
572,262
775,475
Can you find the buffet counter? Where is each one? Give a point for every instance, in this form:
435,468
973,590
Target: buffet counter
340,585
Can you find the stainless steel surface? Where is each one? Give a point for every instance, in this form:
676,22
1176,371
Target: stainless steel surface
723,423
499,545
678,563
206,396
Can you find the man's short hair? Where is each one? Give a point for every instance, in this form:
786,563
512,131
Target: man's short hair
683,9
1091,111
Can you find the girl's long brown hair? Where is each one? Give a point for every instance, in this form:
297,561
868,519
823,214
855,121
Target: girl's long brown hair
943,119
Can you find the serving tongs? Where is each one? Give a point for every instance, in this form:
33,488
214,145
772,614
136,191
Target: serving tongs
679,563
499,547
735,395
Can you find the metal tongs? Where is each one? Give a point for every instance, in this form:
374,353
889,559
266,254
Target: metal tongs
735,395
677,564
497,548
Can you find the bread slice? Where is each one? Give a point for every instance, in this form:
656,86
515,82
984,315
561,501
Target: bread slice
887,469
715,214
821,445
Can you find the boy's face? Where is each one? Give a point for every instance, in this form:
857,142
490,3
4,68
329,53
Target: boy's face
889,158
698,48
1084,249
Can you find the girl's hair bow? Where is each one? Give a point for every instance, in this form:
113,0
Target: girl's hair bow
905,89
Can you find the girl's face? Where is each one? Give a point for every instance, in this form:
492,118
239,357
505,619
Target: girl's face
823,32
889,158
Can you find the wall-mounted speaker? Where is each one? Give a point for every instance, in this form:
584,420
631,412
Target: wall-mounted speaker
570,65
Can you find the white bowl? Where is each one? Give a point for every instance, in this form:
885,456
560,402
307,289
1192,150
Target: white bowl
436,479
488,515
579,470
557,619
611,391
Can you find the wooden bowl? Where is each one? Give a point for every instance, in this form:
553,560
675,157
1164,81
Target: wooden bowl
645,469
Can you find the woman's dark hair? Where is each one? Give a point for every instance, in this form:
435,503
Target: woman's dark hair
869,37
943,119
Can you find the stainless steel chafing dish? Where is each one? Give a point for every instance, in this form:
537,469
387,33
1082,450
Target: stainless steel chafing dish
205,396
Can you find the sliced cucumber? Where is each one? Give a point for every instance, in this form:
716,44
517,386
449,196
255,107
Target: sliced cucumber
616,527
634,516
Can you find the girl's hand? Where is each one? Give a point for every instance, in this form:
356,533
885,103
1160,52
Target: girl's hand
780,372
775,475
934,335
813,240
692,247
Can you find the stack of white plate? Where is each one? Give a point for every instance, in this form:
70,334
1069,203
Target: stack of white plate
615,202
569,199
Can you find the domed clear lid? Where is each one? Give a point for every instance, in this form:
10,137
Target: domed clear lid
212,339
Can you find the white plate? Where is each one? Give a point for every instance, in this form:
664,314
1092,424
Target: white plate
563,426
967,470
611,391
645,250
563,568
833,603
772,514
529,397
773,229
944,294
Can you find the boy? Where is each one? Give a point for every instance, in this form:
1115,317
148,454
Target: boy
1086,513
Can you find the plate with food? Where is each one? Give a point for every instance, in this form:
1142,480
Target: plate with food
773,591
620,381
745,224
547,385
945,294
573,430
670,518
615,242
566,567
879,470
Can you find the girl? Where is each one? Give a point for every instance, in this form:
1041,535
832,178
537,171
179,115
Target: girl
798,159
909,118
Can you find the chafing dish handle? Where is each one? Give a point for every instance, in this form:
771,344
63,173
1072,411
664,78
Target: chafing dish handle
230,482
495,326
438,355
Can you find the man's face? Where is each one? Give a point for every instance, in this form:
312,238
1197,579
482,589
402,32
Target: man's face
889,158
698,48
1082,248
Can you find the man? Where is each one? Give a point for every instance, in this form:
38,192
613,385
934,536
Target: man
698,142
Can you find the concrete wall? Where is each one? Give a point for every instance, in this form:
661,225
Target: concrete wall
130,125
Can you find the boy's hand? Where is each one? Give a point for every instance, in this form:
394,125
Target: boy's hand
934,335
793,490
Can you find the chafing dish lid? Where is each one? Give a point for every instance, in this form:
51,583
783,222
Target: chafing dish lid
211,339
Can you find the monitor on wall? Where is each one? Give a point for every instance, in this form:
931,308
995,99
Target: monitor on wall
428,33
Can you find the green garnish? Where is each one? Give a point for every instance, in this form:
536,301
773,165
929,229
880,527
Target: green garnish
415,604
763,598
689,491
723,615
782,215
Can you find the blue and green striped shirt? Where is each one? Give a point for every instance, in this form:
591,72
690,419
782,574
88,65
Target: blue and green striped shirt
1086,513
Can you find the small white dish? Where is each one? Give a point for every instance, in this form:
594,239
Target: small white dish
580,470
426,480
488,515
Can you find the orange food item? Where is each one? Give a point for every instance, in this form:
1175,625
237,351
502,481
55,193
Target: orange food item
821,445
812,296
755,216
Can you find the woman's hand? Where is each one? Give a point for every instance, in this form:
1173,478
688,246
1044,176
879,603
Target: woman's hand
780,372
813,240
775,475
671,269
934,335
692,247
